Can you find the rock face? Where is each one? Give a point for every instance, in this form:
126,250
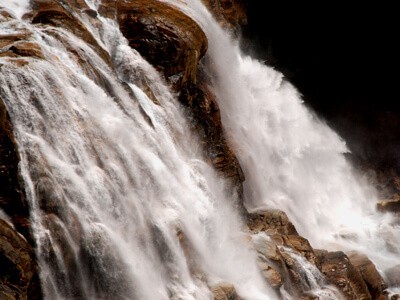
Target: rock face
19,277
375,283
18,272
284,257
165,36
231,14
224,291
339,270
175,44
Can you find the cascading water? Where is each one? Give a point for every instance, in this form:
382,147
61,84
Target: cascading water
126,187
117,184
292,160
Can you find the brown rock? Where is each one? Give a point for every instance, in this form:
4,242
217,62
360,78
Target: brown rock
12,197
207,123
337,268
230,14
224,291
23,48
18,272
375,283
165,36
302,246
271,221
273,277
60,14
392,205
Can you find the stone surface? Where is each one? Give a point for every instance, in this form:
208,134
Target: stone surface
337,268
392,205
18,273
375,283
12,197
170,40
271,221
230,14
224,291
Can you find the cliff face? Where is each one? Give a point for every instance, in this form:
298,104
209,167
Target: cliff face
175,45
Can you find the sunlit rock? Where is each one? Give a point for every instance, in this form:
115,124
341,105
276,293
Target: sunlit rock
392,205
339,271
224,291
375,283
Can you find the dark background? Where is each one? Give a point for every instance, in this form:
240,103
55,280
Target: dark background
344,60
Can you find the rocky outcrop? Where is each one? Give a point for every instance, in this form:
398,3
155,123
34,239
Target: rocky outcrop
18,273
170,40
279,248
392,205
231,14
374,281
339,270
174,44
12,198
224,291
284,256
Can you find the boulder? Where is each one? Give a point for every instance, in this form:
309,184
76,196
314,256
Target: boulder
271,221
375,283
339,271
170,40
224,291
392,205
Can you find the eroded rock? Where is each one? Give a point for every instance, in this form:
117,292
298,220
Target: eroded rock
18,272
375,283
224,291
337,268
230,14
392,205
271,221
170,40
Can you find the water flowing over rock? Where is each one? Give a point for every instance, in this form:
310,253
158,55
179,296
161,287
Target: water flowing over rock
124,128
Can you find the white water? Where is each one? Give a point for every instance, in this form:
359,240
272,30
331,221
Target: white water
123,185
292,160
112,179
17,7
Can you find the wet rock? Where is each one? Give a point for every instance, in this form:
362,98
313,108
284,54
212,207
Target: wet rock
170,40
62,14
392,205
224,291
339,271
12,197
18,272
23,48
273,277
271,221
230,14
207,123
375,283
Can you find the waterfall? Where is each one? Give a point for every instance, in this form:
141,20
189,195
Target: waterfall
124,205
117,184
291,159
